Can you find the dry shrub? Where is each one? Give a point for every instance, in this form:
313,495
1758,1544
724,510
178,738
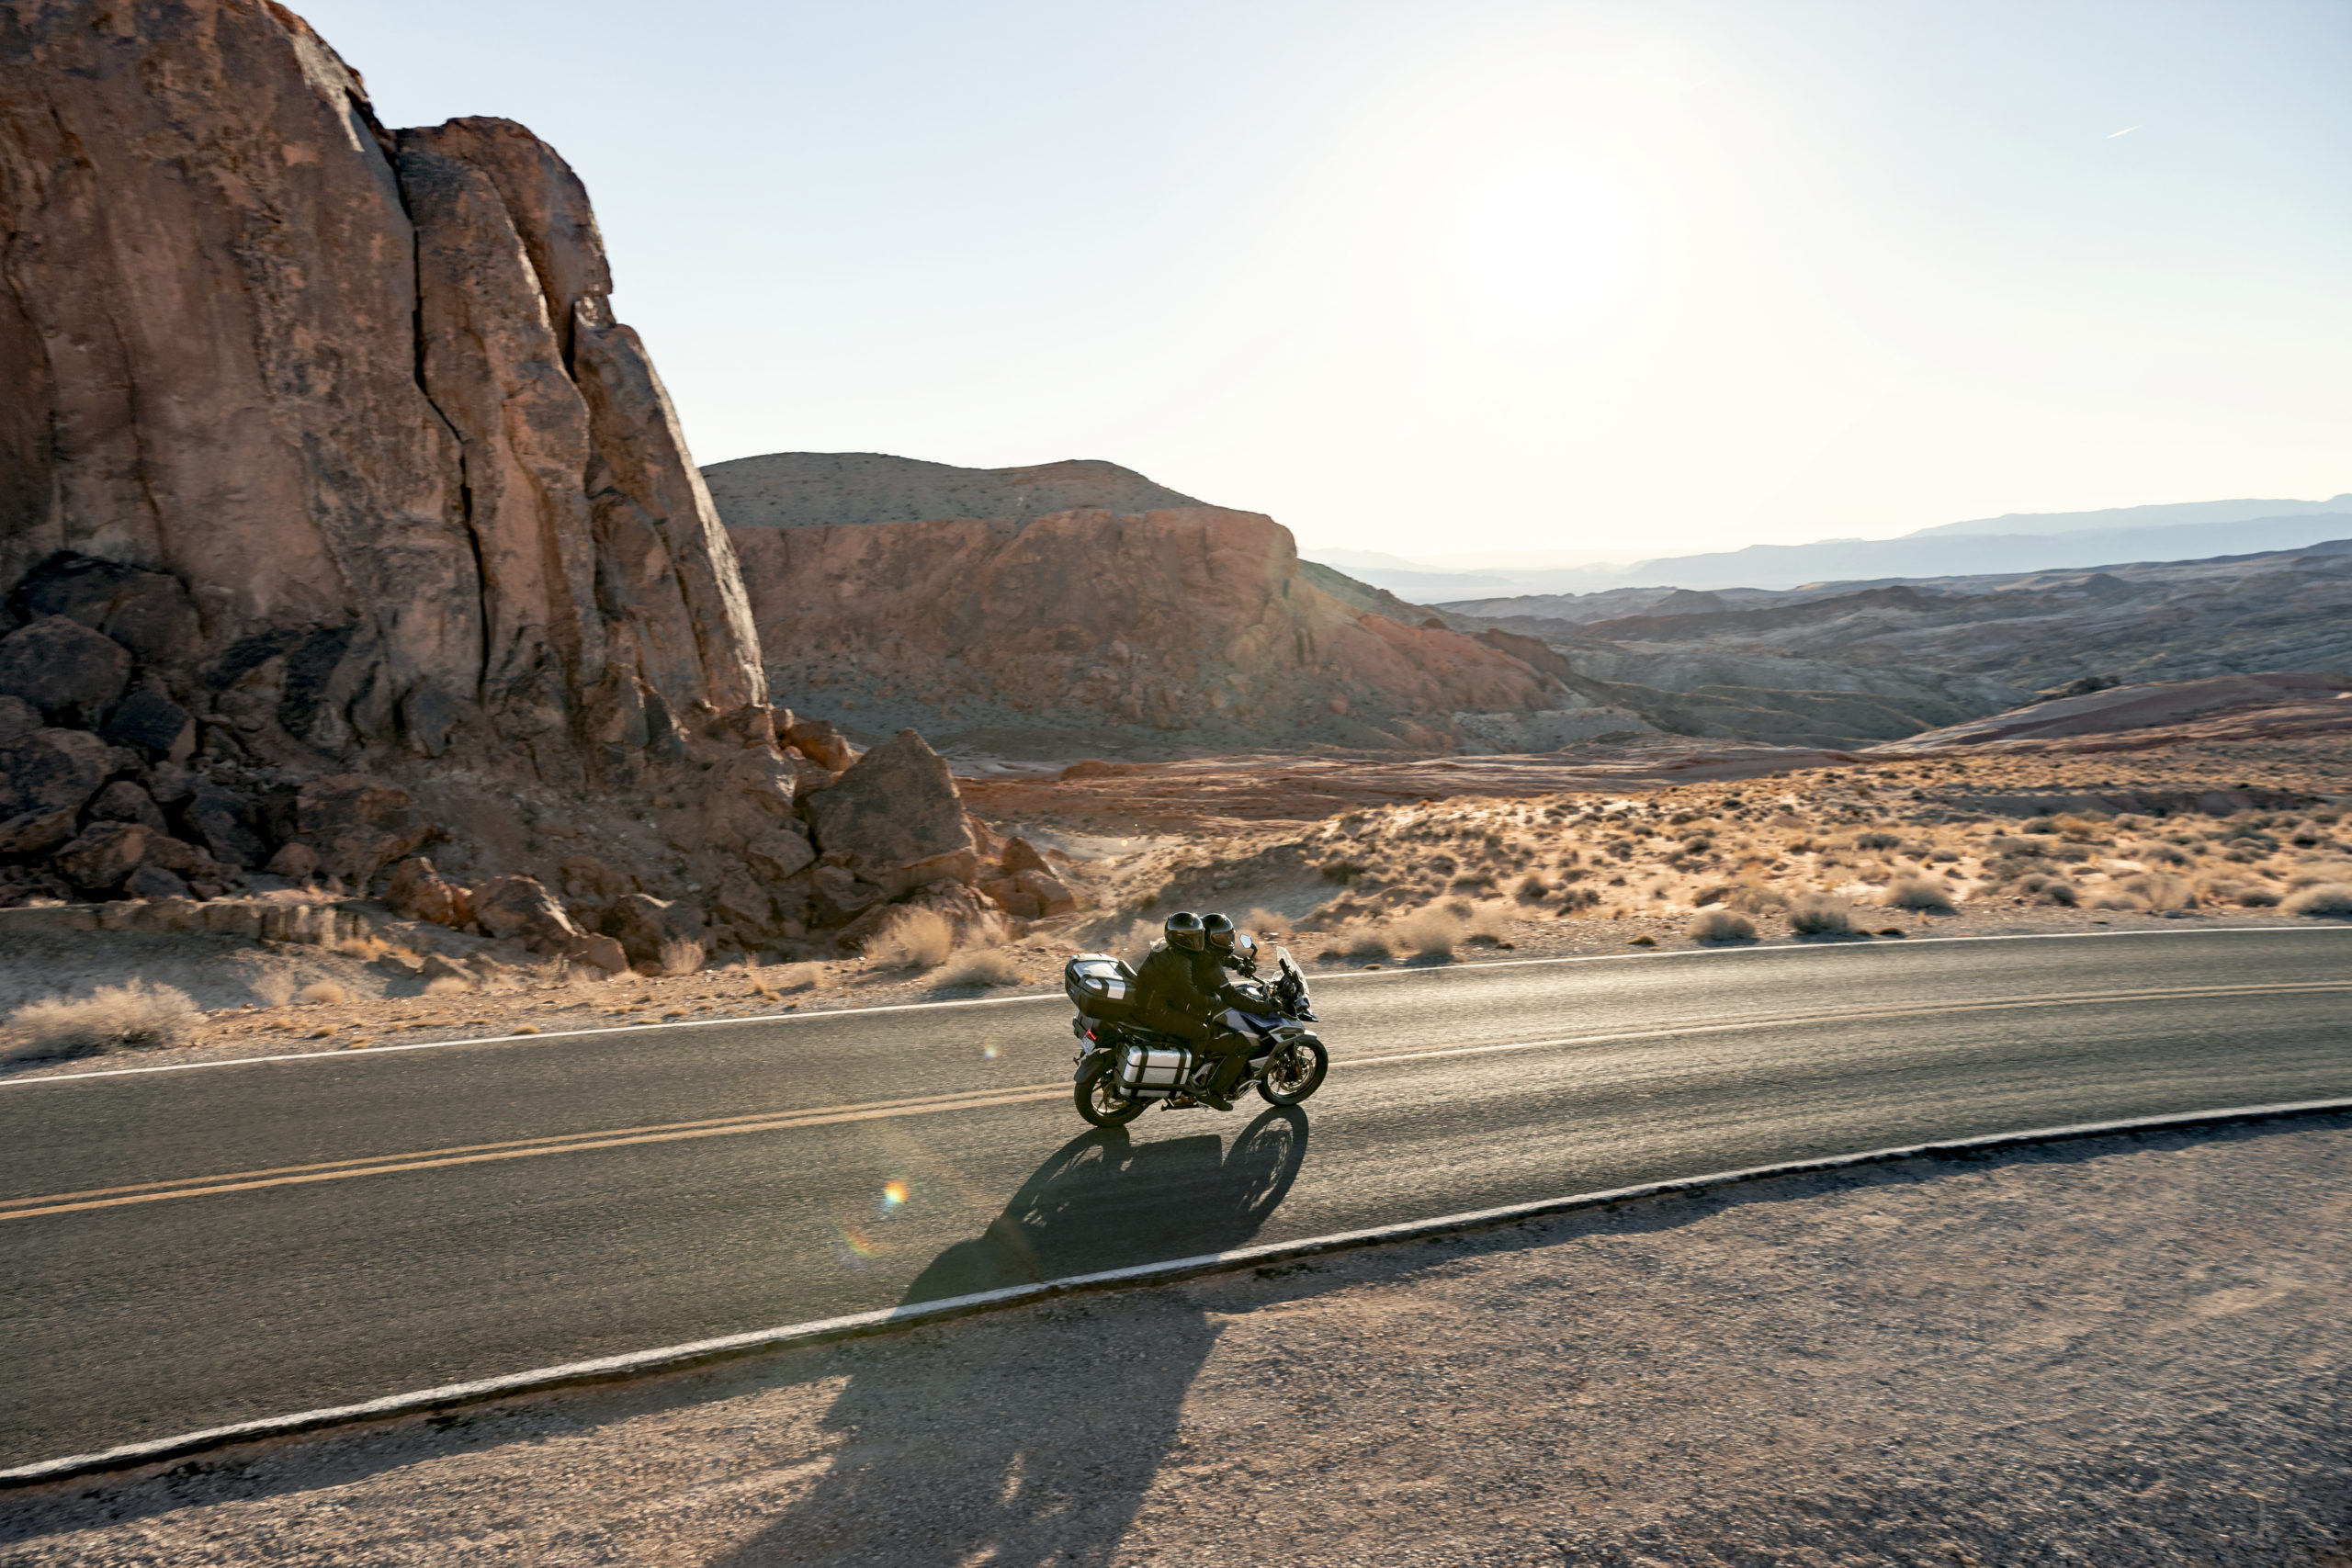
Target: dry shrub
2254,896
2049,890
2119,899
1755,898
1531,888
920,939
275,989
1433,932
804,977
680,956
124,1016
982,966
2334,872
1816,916
1721,925
1491,921
2162,890
1917,893
2333,900
1359,942
446,985
1266,923
362,947
325,991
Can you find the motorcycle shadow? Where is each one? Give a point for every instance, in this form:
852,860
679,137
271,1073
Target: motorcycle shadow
1029,1437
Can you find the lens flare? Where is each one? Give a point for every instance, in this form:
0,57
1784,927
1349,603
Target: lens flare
893,1194
987,1052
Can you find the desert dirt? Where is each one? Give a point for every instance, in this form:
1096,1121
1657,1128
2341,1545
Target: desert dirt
1452,861
2113,1351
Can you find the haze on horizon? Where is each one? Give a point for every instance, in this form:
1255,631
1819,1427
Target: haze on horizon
1487,277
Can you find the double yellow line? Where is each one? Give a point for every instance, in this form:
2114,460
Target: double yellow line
1020,1094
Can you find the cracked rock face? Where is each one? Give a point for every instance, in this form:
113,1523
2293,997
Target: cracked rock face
331,419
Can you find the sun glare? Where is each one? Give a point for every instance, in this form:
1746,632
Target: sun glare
1544,246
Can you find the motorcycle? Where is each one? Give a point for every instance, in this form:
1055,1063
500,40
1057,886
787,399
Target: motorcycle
1123,1069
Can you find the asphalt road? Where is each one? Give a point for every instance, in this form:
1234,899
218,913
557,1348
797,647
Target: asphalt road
185,1250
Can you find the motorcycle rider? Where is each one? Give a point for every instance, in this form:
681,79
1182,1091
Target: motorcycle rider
1184,990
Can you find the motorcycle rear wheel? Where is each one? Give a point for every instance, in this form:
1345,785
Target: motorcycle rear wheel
1296,1072
1100,1101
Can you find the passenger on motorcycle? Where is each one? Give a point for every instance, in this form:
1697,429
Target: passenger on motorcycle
1184,990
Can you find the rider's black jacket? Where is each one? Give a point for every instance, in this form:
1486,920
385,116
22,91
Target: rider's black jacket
1182,991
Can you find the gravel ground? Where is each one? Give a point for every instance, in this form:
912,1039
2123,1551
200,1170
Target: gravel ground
2113,1351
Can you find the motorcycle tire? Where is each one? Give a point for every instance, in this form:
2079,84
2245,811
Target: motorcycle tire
1099,1100
1295,1085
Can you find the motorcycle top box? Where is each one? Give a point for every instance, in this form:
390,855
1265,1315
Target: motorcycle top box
1100,986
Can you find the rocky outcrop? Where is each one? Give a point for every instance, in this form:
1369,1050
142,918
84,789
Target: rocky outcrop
323,460
1186,622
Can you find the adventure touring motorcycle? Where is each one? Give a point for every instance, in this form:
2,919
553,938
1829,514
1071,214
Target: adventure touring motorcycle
1124,1068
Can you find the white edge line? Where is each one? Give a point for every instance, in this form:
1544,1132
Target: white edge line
349,1054
672,1358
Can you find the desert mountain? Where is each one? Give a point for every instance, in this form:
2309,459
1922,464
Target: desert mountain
340,519
1851,663
2019,542
1078,607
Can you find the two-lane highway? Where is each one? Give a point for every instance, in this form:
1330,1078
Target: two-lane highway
193,1248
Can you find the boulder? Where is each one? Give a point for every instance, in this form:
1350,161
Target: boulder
123,801
17,716
1031,895
357,824
419,892
587,880
519,909
775,856
103,855
46,777
185,858
818,740
295,860
434,967
153,882
153,723
895,819
642,924
149,613
1021,855
70,672
837,894
227,823
601,952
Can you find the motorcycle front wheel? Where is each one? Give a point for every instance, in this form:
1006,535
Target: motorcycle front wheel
1100,1101
1296,1072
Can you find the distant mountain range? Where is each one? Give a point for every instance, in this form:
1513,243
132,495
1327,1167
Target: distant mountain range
2016,542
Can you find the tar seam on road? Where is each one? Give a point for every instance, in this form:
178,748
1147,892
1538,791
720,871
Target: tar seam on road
674,1358
1018,1094
347,1054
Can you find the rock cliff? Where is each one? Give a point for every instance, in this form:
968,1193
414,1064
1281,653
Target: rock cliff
340,520
1079,606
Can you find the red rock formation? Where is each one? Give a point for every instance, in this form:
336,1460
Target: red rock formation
351,402
1192,618
332,497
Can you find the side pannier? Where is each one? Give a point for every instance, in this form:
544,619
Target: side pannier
1102,987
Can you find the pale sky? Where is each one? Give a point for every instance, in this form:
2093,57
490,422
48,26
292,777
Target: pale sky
1470,274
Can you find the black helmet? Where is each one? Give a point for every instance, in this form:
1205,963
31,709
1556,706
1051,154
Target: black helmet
1183,929
1217,931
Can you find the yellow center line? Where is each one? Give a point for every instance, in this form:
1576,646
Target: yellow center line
977,1099
761,1118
